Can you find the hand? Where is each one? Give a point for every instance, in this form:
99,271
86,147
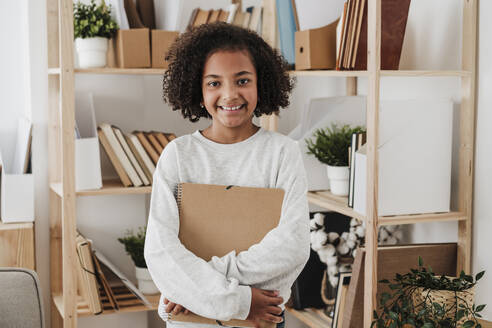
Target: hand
264,306
175,308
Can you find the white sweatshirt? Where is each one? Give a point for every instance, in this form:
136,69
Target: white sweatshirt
220,288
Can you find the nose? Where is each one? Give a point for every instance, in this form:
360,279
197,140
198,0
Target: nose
230,91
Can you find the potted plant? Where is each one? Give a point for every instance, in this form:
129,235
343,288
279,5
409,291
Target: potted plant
330,146
93,26
134,246
421,299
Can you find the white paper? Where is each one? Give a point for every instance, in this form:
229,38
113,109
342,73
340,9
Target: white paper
415,148
318,13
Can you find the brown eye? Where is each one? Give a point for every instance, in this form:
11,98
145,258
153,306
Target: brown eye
213,84
243,81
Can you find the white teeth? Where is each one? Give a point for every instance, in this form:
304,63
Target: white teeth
231,108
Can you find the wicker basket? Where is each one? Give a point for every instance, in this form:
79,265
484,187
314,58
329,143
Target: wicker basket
445,297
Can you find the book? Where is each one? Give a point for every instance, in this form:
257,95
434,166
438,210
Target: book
123,159
153,141
201,17
353,28
341,38
105,292
394,15
214,16
86,273
223,15
147,146
246,19
254,22
236,218
340,298
125,180
360,16
161,138
287,29
358,139
233,8
126,148
142,157
170,136
441,257
191,21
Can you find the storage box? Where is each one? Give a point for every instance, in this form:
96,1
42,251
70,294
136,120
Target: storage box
316,48
133,48
87,157
16,196
160,42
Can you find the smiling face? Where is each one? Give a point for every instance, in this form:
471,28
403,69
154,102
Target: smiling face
229,91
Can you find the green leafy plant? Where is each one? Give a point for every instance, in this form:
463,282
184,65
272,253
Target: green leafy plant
399,309
93,20
134,246
330,145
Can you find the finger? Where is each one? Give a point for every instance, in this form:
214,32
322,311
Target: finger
275,310
170,307
166,301
186,311
272,318
177,309
272,293
275,300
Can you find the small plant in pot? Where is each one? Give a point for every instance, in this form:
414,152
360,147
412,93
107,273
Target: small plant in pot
93,26
330,147
134,246
422,299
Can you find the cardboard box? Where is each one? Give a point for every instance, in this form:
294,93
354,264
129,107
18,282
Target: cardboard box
133,48
160,43
316,48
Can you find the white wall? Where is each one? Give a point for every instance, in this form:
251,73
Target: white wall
134,102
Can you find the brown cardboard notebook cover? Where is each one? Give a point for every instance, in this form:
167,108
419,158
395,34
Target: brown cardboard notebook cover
215,220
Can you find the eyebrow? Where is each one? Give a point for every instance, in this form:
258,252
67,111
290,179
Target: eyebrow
213,76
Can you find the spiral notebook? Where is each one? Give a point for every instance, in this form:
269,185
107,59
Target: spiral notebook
215,220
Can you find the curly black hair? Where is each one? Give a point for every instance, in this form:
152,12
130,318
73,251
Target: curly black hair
182,85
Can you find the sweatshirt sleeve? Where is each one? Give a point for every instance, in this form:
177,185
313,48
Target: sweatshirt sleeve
181,276
284,249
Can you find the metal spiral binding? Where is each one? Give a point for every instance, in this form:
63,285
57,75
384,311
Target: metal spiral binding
179,194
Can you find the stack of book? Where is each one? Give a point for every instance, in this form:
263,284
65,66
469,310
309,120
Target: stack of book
100,284
249,19
352,38
133,155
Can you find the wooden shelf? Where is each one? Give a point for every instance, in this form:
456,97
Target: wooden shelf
338,204
54,71
328,73
334,203
124,71
314,318
15,226
110,187
83,309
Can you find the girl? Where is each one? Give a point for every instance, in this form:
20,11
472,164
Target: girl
228,74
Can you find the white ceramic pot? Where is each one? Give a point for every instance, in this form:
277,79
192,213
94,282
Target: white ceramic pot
339,179
91,51
145,283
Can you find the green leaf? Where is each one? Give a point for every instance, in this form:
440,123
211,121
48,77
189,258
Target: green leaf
479,275
393,315
428,325
468,324
421,261
480,308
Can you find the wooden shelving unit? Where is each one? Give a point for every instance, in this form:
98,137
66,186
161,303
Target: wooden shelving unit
61,76
17,245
